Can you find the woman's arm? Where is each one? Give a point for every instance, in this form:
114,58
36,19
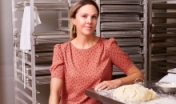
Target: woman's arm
56,85
121,60
132,74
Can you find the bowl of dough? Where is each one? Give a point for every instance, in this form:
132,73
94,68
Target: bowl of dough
167,87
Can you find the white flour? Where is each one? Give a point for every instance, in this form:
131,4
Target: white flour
162,100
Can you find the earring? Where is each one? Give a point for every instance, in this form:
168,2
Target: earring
74,29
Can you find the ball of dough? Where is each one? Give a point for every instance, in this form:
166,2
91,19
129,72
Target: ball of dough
134,93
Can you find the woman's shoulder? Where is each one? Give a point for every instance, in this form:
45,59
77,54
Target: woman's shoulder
108,42
62,45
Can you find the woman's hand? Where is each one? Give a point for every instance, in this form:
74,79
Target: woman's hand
107,85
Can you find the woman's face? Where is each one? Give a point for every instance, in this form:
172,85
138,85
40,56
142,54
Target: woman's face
86,20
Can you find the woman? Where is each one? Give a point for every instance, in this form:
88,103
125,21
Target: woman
86,61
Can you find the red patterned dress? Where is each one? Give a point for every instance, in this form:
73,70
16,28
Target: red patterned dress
85,68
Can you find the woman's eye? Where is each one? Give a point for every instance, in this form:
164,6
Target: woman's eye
84,16
95,17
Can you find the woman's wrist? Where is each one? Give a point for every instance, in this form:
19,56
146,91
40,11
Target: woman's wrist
118,82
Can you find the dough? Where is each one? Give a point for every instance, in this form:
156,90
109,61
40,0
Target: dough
134,93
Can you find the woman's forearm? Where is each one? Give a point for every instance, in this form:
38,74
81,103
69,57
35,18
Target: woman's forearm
132,75
55,90
53,99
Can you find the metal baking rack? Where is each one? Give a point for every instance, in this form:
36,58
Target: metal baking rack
35,70
162,37
126,21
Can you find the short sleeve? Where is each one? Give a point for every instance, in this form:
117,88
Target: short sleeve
57,67
118,57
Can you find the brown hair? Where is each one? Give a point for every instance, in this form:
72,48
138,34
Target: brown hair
73,11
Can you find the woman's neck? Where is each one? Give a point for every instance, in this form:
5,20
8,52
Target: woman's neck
84,42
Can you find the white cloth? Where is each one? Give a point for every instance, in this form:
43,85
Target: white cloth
25,42
26,30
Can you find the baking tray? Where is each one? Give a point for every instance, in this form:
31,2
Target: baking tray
73,1
162,58
132,43
160,1
119,17
170,30
129,41
41,69
121,26
132,50
42,59
163,45
120,1
140,66
164,15
44,48
51,37
45,5
163,6
137,58
121,8
40,80
164,25
163,36
163,63
121,34
163,54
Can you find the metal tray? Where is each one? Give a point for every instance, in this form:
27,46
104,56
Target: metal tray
164,15
119,34
163,6
120,2
123,44
119,17
137,58
163,45
121,25
121,8
163,36
53,37
132,50
38,60
169,88
164,25
45,5
140,66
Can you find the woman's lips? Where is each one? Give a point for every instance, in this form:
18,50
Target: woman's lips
88,27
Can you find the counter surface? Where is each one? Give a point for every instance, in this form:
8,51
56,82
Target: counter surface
93,94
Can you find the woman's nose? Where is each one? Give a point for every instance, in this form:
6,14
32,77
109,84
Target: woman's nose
89,20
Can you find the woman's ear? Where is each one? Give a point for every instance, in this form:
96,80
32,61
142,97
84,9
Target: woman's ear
73,21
